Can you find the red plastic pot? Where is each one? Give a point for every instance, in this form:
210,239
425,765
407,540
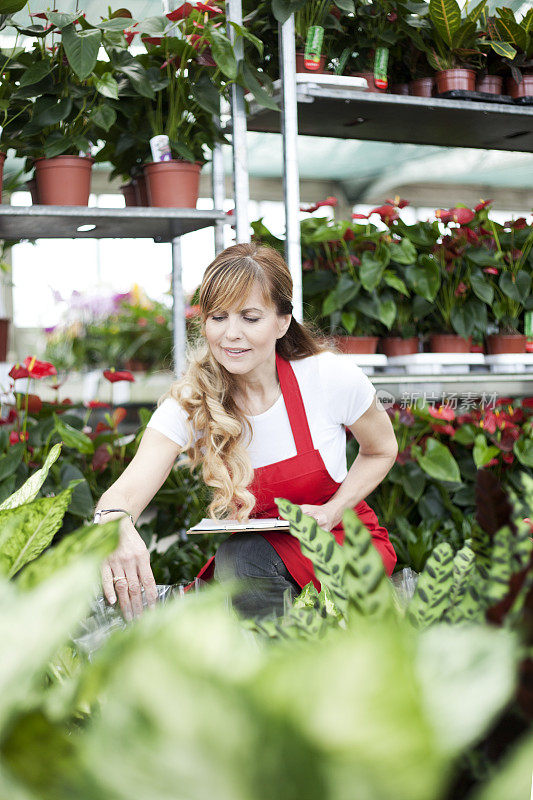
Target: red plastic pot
2,159
130,195
449,343
422,87
396,346
64,180
172,184
522,89
356,344
300,64
369,77
490,84
499,343
449,80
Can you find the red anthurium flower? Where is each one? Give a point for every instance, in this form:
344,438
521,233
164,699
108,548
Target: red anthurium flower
442,412
329,201
492,462
509,437
449,429
129,36
118,416
488,423
39,369
348,235
42,14
97,404
387,212
18,372
208,9
155,40
463,215
34,404
196,41
180,13
471,236
11,417
508,458
398,202
113,376
359,216
444,215
491,270
101,458
15,437
517,224
462,419
101,426
461,289
482,204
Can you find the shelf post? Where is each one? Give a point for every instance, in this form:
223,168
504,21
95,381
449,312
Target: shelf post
219,189
241,190
291,177
179,336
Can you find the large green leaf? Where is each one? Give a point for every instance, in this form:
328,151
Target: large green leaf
282,9
395,282
30,489
104,117
523,450
206,94
503,49
516,287
372,266
95,540
223,54
11,6
57,111
27,530
116,24
483,452
509,29
438,462
35,73
481,286
431,598
250,77
10,461
81,49
107,85
424,277
404,252
446,17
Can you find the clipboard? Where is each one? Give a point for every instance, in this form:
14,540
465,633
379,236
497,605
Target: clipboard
231,525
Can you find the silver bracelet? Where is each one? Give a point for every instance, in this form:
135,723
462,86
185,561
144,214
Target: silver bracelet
98,514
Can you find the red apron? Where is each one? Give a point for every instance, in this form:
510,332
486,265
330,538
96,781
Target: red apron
302,479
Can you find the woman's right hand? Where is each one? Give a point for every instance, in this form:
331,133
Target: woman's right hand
127,571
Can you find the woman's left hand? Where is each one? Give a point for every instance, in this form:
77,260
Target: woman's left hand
324,515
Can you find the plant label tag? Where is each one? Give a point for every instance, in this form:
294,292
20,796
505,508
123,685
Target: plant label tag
381,61
313,47
160,147
528,324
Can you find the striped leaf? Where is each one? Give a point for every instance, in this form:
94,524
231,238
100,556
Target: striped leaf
431,599
501,566
503,49
478,12
461,607
446,17
369,590
509,29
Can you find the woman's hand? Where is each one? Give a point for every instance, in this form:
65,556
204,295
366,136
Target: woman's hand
324,515
126,571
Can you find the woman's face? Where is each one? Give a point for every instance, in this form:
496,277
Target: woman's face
243,340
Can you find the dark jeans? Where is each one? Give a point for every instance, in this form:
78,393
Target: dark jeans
263,577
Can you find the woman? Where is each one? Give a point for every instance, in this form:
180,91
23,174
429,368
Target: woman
263,408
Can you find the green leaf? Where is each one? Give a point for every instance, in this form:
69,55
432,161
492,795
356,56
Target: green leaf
81,49
483,452
244,32
348,319
56,145
282,9
372,266
30,489
57,111
523,450
431,598
223,54
206,94
387,312
403,253
481,286
96,540
82,503
104,117
509,29
10,461
116,24
413,480
107,85
395,282
251,81
503,49
27,530
516,287
72,437
35,73
424,277
438,462
446,17
11,6
139,79
61,19
347,6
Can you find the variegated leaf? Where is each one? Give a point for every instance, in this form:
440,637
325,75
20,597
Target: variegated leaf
446,17
501,566
463,566
30,489
431,599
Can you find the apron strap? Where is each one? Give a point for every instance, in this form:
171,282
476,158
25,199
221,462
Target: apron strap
294,405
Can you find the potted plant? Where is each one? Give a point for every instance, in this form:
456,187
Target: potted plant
70,92
455,51
499,53
506,30
374,30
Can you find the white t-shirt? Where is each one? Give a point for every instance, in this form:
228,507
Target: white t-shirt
335,393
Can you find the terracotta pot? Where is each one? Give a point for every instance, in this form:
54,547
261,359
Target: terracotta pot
2,159
369,76
141,191
300,64
522,89
356,344
491,84
449,343
399,88
130,195
64,180
396,346
172,184
31,186
449,80
499,343
4,338
422,87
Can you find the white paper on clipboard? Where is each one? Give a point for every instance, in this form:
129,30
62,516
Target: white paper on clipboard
226,525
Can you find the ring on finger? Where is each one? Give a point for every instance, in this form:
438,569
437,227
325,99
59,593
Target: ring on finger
121,578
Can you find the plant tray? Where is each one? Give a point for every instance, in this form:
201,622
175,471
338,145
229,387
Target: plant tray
479,97
367,361
510,362
435,363
333,81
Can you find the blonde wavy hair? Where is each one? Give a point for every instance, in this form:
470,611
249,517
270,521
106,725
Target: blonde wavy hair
217,427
